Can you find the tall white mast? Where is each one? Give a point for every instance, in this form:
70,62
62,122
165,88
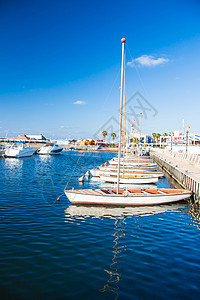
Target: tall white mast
120,117
183,127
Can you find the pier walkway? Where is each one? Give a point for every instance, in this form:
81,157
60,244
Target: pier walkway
185,172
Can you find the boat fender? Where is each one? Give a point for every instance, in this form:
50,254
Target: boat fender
81,179
87,174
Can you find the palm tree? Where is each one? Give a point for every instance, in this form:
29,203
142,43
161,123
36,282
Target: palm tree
136,140
113,136
154,136
104,133
158,135
165,134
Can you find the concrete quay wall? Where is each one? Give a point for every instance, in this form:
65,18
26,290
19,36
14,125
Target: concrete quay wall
179,171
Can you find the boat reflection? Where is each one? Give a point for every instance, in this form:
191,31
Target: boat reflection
99,212
45,158
13,163
120,214
14,170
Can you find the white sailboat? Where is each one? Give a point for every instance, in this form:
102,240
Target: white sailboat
98,172
129,179
133,163
128,168
125,197
131,159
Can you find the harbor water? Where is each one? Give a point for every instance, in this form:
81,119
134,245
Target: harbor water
55,250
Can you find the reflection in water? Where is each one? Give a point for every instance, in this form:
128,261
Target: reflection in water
78,211
81,213
14,167
194,211
46,158
115,276
13,163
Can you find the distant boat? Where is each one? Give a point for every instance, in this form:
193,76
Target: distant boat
19,150
129,179
132,163
130,168
132,159
98,172
50,148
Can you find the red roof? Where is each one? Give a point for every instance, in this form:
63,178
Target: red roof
21,137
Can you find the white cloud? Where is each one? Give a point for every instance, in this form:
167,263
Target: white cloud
64,127
79,102
147,61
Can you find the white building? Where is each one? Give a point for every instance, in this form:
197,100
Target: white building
144,138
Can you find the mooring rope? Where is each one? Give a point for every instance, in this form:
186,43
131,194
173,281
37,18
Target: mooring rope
71,175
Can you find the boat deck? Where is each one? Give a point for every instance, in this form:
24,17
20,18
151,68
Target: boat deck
129,192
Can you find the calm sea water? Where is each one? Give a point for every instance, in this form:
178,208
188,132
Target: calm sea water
54,250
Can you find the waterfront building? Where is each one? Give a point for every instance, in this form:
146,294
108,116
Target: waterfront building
22,137
39,137
137,137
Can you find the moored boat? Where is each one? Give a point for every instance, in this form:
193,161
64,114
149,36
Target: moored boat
131,163
131,159
19,150
98,172
50,148
126,197
129,179
128,167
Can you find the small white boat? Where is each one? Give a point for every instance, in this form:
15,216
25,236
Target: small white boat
19,150
129,179
132,164
130,159
106,185
126,197
98,172
50,148
129,168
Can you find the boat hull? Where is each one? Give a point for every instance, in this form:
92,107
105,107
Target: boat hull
132,168
143,164
50,150
129,180
19,153
98,173
124,200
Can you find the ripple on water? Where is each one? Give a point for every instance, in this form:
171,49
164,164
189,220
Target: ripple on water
57,250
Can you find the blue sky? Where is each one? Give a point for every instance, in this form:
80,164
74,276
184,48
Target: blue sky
54,54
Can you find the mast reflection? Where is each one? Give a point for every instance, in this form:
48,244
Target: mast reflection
79,213
115,275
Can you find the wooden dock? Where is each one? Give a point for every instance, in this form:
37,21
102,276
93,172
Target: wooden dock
187,174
